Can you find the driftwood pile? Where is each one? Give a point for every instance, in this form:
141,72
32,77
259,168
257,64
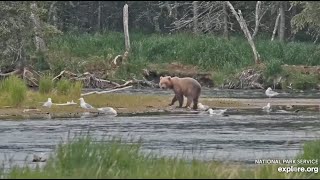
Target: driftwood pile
88,79
247,79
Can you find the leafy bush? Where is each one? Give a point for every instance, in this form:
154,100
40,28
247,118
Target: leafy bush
46,85
16,90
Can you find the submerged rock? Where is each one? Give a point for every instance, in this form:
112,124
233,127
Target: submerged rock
39,158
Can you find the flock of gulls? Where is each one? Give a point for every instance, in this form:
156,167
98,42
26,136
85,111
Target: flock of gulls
269,92
84,105
109,110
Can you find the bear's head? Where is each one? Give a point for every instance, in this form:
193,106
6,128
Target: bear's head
165,82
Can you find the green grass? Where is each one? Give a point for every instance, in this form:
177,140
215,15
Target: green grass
222,58
86,157
209,52
69,88
13,91
303,81
63,86
46,84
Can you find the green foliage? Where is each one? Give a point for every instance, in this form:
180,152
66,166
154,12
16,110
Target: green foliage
46,84
14,90
66,87
76,89
309,17
63,86
273,68
206,51
311,150
304,81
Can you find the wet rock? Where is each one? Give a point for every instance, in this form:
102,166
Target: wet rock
39,158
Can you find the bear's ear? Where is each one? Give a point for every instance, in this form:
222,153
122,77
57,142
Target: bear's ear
169,77
161,77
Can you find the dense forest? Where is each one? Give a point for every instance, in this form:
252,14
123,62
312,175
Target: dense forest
57,35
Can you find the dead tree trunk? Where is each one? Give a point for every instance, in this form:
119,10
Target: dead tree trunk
246,32
21,53
125,27
275,27
168,8
258,6
175,10
225,21
156,23
195,17
282,22
52,14
39,42
99,16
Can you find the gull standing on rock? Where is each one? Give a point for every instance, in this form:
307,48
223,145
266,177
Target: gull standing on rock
271,93
85,105
48,103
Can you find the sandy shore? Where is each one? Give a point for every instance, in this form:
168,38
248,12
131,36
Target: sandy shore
149,105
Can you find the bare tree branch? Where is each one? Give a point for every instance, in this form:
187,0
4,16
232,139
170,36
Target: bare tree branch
245,30
275,27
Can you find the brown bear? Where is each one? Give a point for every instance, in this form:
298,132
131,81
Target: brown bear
188,87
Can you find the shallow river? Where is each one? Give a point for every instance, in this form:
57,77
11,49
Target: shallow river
241,137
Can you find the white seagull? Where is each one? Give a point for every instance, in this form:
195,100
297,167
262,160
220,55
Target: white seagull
267,108
271,93
48,103
85,105
107,110
217,112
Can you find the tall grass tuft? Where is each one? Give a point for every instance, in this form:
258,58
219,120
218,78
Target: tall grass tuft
75,91
46,84
63,86
273,68
14,89
303,81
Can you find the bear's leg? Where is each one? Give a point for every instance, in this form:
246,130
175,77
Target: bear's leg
189,101
173,100
195,103
180,99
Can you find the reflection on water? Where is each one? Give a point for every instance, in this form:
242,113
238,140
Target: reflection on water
237,137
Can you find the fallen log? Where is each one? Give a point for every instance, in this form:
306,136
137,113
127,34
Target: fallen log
64,73
15,72
102,92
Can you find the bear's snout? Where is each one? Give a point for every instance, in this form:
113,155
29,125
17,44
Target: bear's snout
162,86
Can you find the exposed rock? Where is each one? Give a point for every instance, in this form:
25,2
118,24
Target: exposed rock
39,158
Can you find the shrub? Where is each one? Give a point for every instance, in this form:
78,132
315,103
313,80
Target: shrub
63,87
273,68
46,85
16,90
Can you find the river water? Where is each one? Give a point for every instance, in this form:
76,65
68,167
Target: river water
243,137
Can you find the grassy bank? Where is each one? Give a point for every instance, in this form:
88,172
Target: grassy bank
89,158
222,58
